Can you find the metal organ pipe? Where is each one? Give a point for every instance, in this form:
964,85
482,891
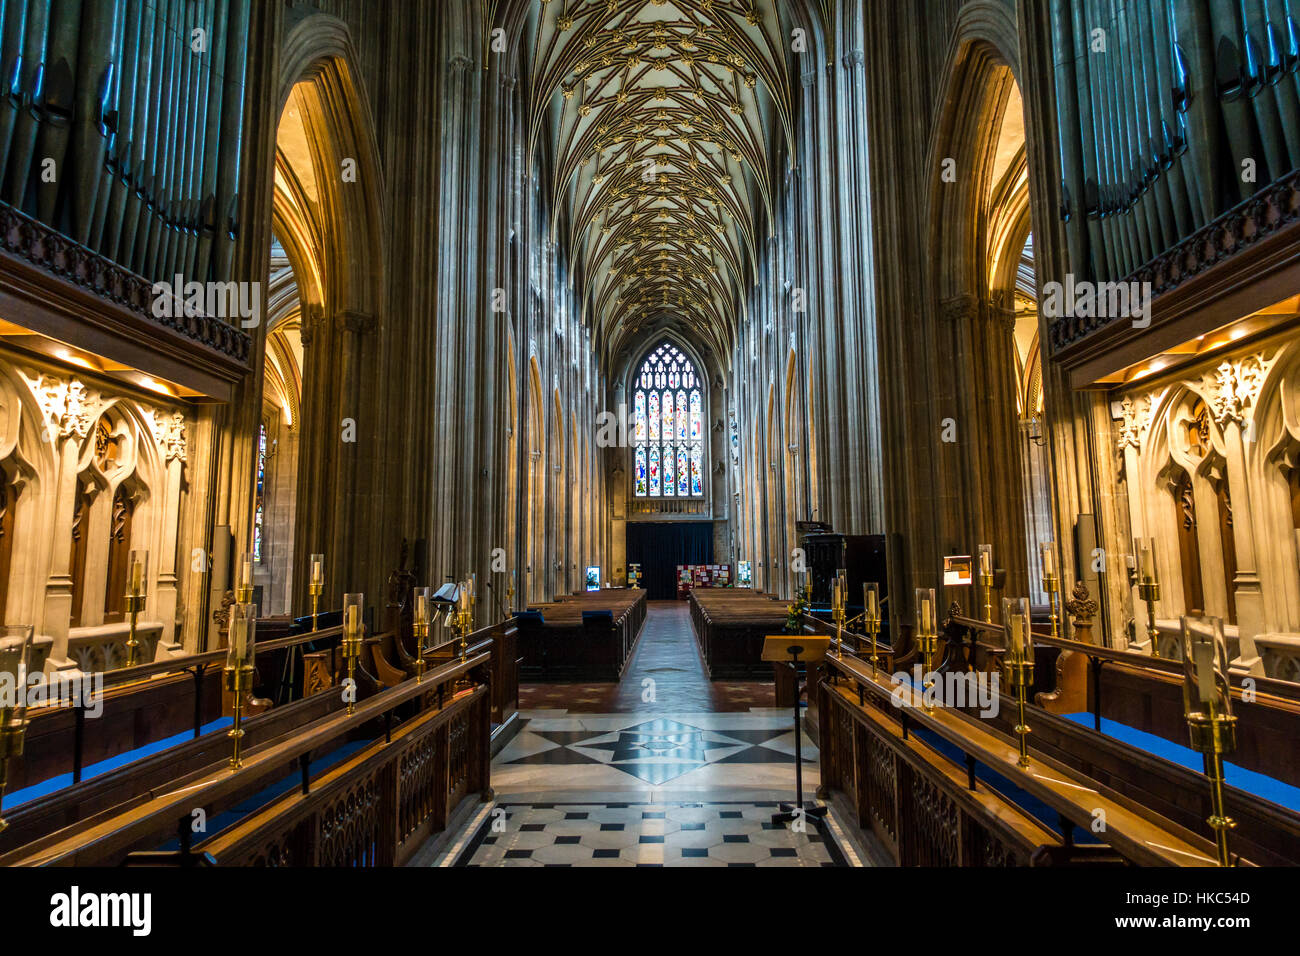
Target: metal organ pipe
142,123
1156,129
232,119
93,109
13,29
57,106
207,187
117,154
31,81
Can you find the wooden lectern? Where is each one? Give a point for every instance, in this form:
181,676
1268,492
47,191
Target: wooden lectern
796,649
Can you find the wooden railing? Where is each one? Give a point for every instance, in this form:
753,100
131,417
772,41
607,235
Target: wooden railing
927,809
1142,691
377,808
448,727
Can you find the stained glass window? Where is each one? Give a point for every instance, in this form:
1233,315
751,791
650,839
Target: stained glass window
640,416
669,409
260,513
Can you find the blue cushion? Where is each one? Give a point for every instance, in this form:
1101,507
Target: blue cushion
1253,782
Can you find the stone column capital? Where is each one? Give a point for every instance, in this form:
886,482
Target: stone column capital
350,320
960,308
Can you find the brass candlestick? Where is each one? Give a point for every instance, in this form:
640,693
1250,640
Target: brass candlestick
315,590
316,587
353,634
986,579
927,640
1050,585
137,590
464,623
1019,664
134,607
15,648
1149,586
871,616
839,594
421,611
238,672
1050,582
1207,703
1149,591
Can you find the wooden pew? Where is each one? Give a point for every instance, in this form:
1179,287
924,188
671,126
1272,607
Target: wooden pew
1145,693
929,809
730,624
141,705
144,807
587,636
89,797
1265,834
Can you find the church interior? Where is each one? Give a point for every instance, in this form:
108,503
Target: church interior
670,433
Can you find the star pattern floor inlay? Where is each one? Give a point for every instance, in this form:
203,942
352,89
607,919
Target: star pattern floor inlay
657,750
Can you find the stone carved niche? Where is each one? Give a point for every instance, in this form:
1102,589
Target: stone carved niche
123,449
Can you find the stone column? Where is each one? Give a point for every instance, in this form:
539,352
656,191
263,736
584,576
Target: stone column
171,439
1232,392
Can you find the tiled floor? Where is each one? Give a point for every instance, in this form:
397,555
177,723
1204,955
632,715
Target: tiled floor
681,775
710,833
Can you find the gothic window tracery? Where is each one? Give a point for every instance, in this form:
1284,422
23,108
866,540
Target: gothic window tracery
668,413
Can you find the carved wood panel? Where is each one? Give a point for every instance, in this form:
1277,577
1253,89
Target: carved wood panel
350,826
417,782
933,827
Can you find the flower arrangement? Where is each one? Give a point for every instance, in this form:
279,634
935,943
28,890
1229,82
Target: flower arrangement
796,611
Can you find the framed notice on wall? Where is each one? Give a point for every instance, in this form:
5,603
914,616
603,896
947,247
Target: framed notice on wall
956,570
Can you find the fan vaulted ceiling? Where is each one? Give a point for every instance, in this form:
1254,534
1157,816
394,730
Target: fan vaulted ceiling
663,115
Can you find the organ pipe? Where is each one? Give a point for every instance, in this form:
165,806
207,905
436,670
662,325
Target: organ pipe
1157,126
143,123
30,83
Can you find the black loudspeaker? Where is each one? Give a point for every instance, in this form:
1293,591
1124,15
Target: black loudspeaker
865,560
862,556
824,554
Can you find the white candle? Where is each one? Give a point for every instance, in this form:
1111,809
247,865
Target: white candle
1049,560
421,609
246,572
137,577
1016,631
352,621
1203,651
317,570
986,563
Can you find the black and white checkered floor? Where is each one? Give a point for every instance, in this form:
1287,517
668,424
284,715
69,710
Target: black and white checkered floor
733,834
